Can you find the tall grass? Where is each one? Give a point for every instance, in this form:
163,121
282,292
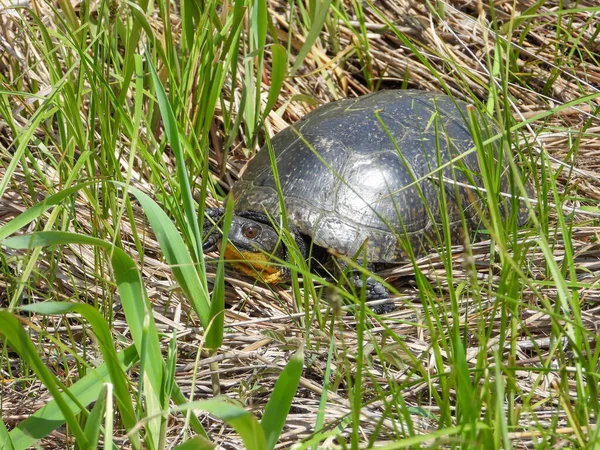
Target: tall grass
120,124
104,117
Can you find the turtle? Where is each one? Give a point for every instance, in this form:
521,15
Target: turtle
360,177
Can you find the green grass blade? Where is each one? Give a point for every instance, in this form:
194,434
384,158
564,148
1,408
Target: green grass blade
172,133
16,337
326,383
93,424
259,28
180,399
190,15
214,334
469,410
105,342
135,304
244,423
70,16
142,21
140,319
13,334
416,441
131,51
40,116
279,404
278,74
501,428
37,210
196,443
167,234
109,417
313,34
49,417
5,440
176,255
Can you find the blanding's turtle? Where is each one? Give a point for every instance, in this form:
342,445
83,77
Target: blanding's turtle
347,173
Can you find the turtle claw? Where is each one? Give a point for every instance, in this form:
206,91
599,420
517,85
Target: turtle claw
210,231
384,308
374,290
210,243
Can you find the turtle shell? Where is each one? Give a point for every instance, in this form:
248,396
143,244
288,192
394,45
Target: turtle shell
362,172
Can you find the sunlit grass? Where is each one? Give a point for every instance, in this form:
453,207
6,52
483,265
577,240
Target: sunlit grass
493,352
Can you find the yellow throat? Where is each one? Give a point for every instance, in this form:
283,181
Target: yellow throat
254,264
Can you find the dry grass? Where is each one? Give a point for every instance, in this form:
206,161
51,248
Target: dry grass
261,327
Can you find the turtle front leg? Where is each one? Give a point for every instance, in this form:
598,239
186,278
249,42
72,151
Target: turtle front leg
211,234
374,290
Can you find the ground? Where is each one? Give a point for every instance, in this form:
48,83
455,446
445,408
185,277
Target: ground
491,346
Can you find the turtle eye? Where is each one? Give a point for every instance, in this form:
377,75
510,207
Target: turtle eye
250,231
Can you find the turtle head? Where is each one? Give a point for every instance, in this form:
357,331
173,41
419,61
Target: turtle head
253,245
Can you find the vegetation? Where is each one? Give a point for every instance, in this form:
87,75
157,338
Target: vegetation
121,122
